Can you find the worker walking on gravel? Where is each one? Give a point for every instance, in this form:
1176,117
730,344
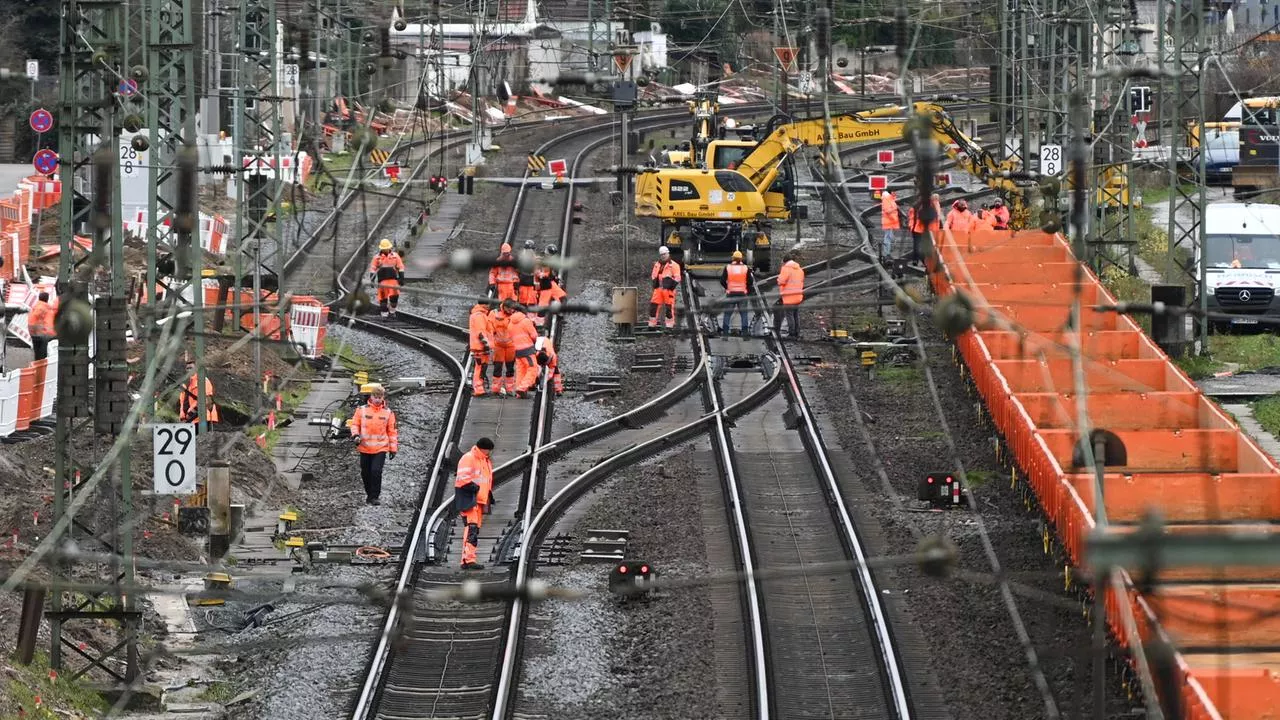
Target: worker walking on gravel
373,427
503,276
504,353
737,281
890,222
666,278
473,496
387,270
524,336
40,325
790,294
548,359
481,331
189,399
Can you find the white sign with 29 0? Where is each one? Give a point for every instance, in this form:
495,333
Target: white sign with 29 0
174,457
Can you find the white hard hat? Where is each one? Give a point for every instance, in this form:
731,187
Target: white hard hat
537,344
663,250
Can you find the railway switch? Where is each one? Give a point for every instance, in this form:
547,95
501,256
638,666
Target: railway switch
632,577
942,490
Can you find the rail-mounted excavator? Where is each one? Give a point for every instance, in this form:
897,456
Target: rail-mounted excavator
729,201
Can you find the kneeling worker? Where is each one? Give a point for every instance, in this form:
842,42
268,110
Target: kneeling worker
373,427
473,496
548,359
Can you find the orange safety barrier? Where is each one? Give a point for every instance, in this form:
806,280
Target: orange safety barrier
1184,457
28,400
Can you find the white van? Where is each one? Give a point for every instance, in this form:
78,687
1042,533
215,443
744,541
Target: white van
1242,256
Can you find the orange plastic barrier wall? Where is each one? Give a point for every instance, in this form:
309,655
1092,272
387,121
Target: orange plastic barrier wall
1185,457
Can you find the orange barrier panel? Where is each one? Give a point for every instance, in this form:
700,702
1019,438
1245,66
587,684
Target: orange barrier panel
28,403
1185,456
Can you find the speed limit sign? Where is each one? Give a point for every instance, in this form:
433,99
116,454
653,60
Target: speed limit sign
173,457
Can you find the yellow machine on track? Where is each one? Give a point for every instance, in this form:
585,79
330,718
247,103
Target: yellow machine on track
728,203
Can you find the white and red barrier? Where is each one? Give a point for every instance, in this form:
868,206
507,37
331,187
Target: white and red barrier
9,402
212,230
308,323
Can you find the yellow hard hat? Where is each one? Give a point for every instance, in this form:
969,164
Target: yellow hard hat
737,254
385,244
370,388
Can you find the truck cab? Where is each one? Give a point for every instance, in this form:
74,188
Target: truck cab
1242,256
778,199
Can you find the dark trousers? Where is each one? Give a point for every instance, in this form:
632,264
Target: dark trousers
792,313
917,245
40,344
371,473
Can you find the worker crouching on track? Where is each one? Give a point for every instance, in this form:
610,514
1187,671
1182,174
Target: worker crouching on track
503,276
473,496
549,289
481,345
524,337
790,294
189,399
504,352
373,427
666,278
387,270
737,281
547,358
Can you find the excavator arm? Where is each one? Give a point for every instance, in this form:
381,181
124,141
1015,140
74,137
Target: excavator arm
784,137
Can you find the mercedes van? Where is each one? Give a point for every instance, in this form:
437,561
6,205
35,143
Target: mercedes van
1242,256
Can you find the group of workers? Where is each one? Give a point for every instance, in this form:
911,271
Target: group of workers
738,281
507,338
993,215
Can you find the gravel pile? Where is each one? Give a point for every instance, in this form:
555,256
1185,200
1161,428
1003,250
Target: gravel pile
651,659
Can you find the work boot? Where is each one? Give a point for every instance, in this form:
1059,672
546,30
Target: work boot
522,394
502,391
472,566
376,501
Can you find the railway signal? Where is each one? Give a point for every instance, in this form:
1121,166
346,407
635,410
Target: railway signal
632,577
941,490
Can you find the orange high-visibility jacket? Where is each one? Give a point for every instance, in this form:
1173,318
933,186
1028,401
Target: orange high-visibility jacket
959,220
736,278
664,271
889,219
376,427
504,274
40,319
916,223
1001,219
523,332
387,266
500,328
791,283
480,327
189,400
475,467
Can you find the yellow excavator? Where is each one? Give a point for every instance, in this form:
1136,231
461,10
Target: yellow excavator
727,204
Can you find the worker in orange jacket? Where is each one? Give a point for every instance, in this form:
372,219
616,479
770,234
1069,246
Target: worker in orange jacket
524,335
526,281
504,353
387,270
959,219
189,399
480,344
890,222
917,226
790,294
503,276
40,325
549,288
737,281
548,359
984,219
1000,215
373,427
473,496
666,278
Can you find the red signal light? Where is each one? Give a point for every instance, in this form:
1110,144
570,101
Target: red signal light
622,569
949,479
644,569
930,479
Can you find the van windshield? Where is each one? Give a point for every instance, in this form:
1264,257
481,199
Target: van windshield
1243,251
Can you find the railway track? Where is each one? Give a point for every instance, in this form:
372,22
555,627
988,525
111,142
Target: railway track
442,659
